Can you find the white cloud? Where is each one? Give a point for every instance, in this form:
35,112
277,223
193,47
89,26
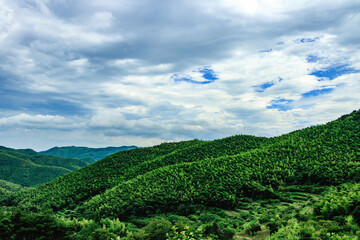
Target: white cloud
103,20
129,62
103,69
37,121
108,119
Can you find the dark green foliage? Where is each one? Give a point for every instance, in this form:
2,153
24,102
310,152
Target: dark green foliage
227,233
356,213
27,225
212,229
89,155
273,226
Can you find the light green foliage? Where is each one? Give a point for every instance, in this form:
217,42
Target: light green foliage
186,234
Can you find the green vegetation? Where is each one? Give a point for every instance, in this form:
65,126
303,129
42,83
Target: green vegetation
300,185
29,168
11,187
89,155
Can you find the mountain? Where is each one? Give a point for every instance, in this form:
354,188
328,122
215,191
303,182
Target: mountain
300,185
89,155
29,168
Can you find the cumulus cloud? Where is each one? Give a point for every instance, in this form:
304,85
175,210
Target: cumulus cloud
144,72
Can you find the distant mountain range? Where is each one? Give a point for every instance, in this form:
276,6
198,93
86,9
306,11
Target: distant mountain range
21,168
29,168
89,155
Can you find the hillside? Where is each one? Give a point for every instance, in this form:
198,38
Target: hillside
29,168
11,187
323,155
124,166
239,185
89,155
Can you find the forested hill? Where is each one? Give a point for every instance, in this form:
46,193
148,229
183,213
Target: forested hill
216,173
192,178
89,155
29,168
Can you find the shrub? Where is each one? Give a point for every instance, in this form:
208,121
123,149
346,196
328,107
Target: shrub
273,226
186,234
356,214
227,233
252,227
157,229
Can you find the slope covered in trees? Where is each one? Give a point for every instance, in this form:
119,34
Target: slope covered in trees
240,185
66,192
316,155
89,155
29,168
9,186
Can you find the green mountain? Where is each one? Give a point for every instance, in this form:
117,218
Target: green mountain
89,155
29,168
299,185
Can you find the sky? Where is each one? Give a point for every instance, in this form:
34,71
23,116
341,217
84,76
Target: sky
142,72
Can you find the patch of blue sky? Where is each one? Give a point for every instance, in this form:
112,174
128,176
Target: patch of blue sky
189,80
264,86
317,92
307,40
281,104
207,75
334,71
312,58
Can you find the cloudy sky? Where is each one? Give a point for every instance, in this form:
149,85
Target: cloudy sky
141,72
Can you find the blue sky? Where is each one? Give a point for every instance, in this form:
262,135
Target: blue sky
99,73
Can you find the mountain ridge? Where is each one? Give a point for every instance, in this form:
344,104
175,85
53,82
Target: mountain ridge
87,154
29,168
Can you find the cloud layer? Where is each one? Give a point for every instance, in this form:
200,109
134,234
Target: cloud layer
143,72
